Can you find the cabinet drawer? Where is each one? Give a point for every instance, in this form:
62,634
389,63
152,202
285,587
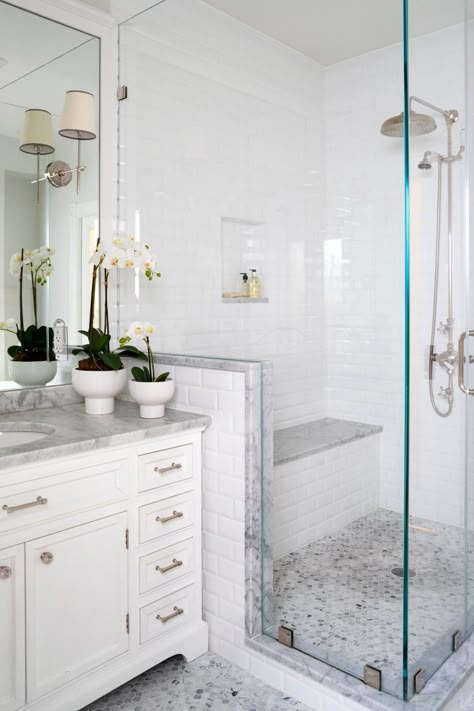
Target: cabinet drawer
166,516
167,614
31,502
170,466
166,565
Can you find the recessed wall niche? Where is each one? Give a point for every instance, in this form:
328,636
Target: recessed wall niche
244,247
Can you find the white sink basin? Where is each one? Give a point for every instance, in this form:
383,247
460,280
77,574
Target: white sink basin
14,434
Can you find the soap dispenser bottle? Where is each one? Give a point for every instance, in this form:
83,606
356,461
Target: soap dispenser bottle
254,285
245,284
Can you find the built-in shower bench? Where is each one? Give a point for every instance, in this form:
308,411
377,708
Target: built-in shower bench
317,436
326,475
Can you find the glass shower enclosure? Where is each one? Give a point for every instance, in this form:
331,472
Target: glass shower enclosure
335,161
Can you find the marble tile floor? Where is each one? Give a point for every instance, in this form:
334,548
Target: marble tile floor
345,605
207,684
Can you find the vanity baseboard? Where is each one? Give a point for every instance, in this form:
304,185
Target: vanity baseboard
84,570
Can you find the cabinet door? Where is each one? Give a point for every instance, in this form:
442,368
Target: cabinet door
77,602
12,628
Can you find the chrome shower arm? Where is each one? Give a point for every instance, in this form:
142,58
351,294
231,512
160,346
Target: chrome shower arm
450,115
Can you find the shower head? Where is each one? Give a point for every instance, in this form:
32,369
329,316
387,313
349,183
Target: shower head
425,163
420,124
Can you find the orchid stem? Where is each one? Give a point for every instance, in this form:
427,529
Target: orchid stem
22,322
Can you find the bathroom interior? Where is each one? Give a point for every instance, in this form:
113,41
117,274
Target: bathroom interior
303,174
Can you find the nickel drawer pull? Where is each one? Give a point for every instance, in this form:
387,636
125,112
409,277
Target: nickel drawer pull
177,611
175,564
5,572
175,514
171,468
37,502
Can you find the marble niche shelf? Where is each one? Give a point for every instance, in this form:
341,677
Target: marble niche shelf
243,300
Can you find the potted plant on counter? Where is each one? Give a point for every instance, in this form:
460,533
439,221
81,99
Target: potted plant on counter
101,374
33,362
149,390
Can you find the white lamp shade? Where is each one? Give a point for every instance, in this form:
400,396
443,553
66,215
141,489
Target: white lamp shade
37,136
78,119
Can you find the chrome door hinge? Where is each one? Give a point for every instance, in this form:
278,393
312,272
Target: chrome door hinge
286,636
127,538
373,677
122,92
127,623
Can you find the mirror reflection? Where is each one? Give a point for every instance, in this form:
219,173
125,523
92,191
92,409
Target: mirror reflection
49,193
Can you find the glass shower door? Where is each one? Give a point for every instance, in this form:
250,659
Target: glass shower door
437,533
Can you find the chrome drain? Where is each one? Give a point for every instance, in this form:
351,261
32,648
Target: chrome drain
399,572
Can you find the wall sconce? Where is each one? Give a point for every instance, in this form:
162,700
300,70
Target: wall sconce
78,122
37,138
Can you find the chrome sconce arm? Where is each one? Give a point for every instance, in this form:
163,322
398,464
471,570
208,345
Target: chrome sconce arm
59,174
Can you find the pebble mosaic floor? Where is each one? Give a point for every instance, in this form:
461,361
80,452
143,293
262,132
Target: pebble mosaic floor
345,605
208,684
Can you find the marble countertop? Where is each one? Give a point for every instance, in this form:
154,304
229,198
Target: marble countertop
313,437
70,431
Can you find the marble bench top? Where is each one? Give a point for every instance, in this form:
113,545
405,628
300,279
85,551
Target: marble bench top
317,436
74,432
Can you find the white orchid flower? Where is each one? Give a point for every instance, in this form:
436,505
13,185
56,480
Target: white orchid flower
130,261
135,330
148,328
15,265
9,325
112,259
96,258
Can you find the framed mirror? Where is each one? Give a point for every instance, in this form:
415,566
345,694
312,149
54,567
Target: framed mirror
49,192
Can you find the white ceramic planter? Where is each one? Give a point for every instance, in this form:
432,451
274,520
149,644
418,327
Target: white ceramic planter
99,388
32,373
152,396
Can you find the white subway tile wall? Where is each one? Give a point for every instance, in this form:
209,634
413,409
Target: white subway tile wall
224,533
233,130
317,495
364,273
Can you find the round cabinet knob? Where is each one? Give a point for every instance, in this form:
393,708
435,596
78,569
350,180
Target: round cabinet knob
47,557
5,572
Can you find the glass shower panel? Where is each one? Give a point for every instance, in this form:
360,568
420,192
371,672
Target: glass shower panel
339,598
469,374
439,283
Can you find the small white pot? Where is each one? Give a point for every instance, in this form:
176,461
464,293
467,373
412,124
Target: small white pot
152,396
99,388
32,373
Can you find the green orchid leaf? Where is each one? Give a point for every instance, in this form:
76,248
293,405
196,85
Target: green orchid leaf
161,378
111,360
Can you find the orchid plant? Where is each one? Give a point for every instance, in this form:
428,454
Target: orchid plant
124,253
140,333
36,342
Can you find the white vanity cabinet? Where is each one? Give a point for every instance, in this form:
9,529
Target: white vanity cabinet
100,570
77,602
12,628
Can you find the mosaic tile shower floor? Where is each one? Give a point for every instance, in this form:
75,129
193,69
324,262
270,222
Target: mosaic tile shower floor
345,604
208,684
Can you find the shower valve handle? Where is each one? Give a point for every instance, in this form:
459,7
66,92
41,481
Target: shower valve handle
462,340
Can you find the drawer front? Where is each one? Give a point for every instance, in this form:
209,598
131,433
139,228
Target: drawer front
165,615
64,493
170,466
166,565
166,516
